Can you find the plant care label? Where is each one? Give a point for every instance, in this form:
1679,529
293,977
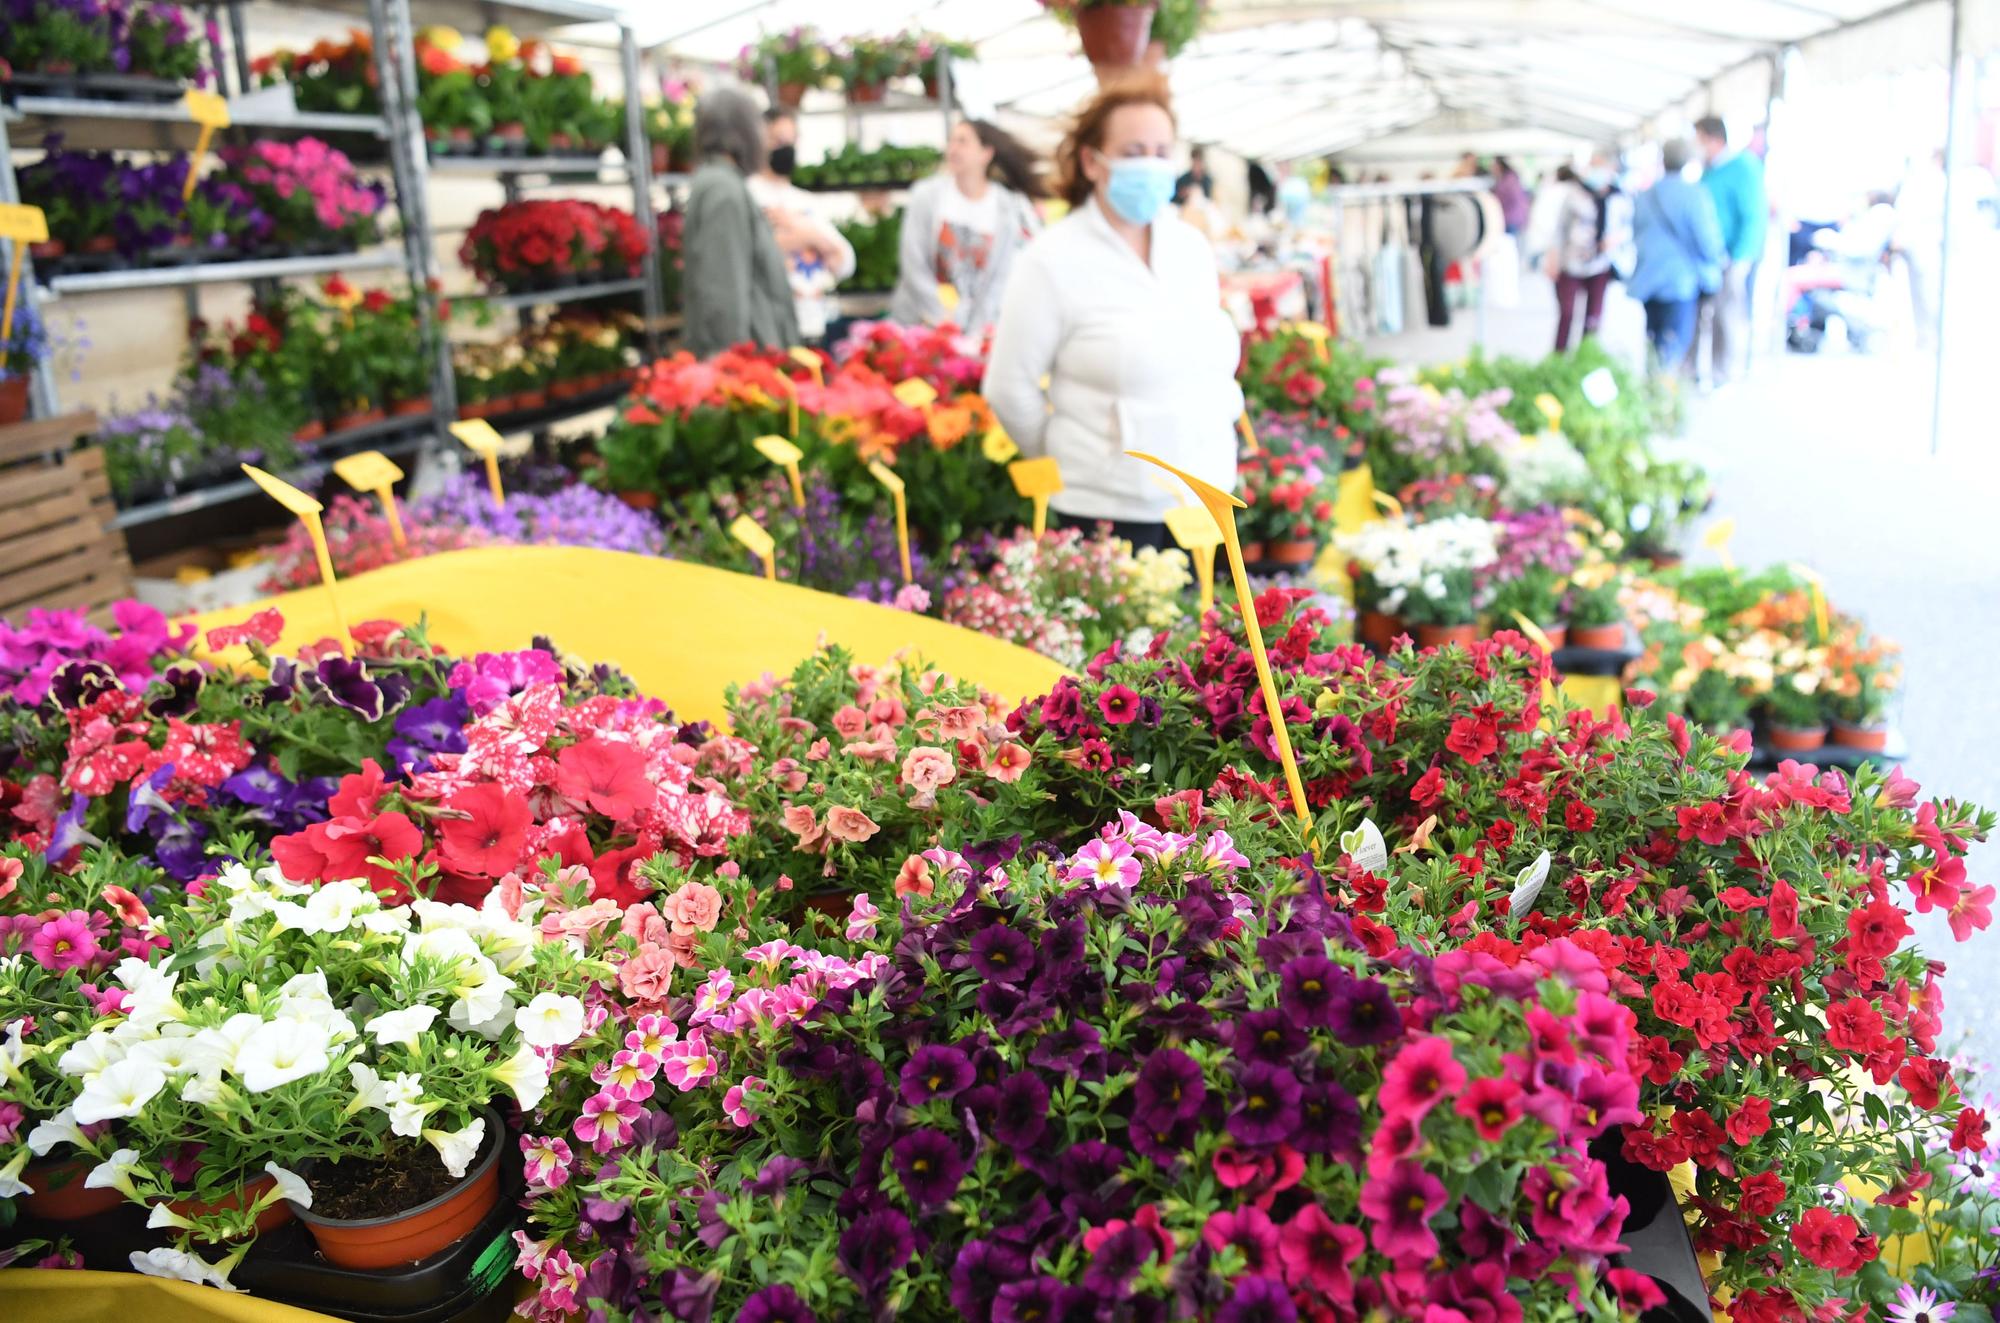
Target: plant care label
1037,479
22,225
1717,538
756,537
478,436
786,456
211,112
893,480
916,393
1600,388
374,472
1196,530
308,510
1222,508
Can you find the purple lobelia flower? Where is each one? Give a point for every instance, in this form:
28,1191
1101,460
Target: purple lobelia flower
874,1247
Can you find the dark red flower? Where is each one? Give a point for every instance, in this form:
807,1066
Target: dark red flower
1969,1135
1762,1194
487,841
1579,816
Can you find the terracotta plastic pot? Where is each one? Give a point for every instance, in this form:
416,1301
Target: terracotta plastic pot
306,433
639,500
1794,739
1868,739
99,244
1438,636
46,250
13,399
1663,560
353,418
931,86
791,94
865,94
1253,553
57,1192
410,408
531,399
406,1237
568,389
1558,635
270,1219
660,156
1377,629
1597,636
1115,36
1290,552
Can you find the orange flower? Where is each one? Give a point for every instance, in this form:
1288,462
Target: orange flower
949,425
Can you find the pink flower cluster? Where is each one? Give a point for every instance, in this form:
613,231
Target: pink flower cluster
32,652
308,169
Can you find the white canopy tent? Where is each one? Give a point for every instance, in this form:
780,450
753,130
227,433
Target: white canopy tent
1289,79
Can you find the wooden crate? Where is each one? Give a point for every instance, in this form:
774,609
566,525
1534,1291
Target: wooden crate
57,545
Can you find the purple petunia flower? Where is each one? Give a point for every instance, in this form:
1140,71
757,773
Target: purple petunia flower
935,1071
1268,1035
1329,1120
1364,1012
1075,1049
777,1303
145,804
1308,986
1022,1113
1258,1300
1117,1260
430,728
1169,1088
1267,1105
982,1268
874,1246
348,683
1036,1300
1002,954
774,1177
929,1165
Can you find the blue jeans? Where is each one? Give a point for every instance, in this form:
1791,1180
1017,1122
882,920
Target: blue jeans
1670,330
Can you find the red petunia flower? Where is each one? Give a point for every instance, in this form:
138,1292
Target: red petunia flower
605,776
487,841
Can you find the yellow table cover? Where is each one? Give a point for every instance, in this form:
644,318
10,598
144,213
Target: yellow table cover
682,631
49,1295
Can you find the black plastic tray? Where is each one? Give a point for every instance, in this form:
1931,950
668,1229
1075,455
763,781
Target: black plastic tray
1655,1235
1593,661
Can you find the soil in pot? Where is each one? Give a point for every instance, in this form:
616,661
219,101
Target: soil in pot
401,1208
1597,636
1795,739
1868,739
1438,636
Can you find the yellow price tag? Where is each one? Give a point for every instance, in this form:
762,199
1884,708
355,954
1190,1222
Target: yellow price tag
1316,333
478,436
1354,500
753,535
812,363
948,296
1195,529
211,112
786,456
1717,540
1817,585
997,446
1222,507
23,225
893,480
308,510
1037,479
916,393
1249,434
1600,693
373,471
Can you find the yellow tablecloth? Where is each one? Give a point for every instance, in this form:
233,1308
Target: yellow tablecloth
684,632
29,1295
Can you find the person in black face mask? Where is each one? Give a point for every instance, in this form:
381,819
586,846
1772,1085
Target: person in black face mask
817,255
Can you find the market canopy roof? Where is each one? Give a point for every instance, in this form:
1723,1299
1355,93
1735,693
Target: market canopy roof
1284,79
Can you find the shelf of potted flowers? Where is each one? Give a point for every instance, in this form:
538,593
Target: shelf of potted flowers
21,352
791,63
538,245
80,49
1864,678
865,66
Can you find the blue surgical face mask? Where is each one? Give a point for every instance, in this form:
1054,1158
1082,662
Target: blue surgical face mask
1139,187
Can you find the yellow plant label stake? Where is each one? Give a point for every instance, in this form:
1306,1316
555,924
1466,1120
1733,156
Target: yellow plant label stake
810,361
753,535
308,510
211,112
1390,505
1037,479
1249,434
1717,540
1316,333
917,393
1354,500
786,456
1818,588
893,480
478,436
1195,529
1222,507
21,226
373,471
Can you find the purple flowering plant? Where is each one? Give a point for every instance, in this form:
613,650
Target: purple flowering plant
1538,552
1156,1078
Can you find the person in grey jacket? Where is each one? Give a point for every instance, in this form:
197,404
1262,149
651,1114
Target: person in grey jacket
736,288
963,228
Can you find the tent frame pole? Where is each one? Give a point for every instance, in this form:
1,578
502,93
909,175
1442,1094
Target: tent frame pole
1955,94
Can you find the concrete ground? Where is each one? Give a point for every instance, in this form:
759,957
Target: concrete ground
1826,460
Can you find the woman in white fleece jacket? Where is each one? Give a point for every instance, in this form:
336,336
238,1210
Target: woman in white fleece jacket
1118,308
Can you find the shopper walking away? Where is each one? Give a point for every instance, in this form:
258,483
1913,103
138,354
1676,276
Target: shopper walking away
817,255
736,289
1593,240
965,227
1680,256
1735,180
1118,309
1512,194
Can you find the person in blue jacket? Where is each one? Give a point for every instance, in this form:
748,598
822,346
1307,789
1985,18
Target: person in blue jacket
1680,256
1735,181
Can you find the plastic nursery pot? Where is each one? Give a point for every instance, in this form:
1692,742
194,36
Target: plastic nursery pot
1797,739
531,399
270,1219
1868,739
865,94
1290,552
410,408
1557,635
13,399
309,432
930,87
1438,636
353,418
47,250
56,1192
416,1233
1597,636
791,94
1253,553
1115,36
640,500
1377,629
98,244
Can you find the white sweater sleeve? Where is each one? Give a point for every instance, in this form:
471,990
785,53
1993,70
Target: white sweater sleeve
1025,343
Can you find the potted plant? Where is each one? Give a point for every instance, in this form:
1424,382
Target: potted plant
1795,708
1531,572
1429,574
925,54
864,66
158,42
1864,675
1175,24
793,62
79,194
1114,32
58,39
21,352
1595,617
327,1054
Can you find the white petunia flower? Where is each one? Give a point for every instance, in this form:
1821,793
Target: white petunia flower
1528,885
550,1020
58,1129
119,1091
457,1148
291,1185
180,1266
163,1216
526,1076
404,1027
11,1183
115,1172
90,1056
280,1052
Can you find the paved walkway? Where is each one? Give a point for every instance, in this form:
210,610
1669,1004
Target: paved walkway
1826,460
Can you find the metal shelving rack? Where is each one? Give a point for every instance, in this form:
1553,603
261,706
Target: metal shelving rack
163,126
